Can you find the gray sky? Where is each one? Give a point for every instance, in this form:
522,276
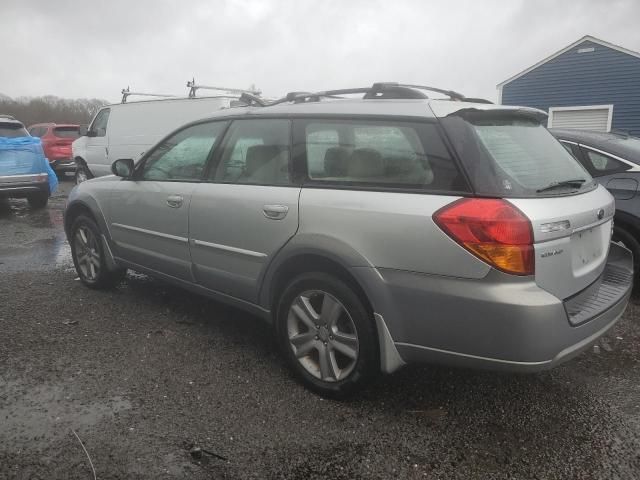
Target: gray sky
95,48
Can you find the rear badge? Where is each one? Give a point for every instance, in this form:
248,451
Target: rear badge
551,253
600,214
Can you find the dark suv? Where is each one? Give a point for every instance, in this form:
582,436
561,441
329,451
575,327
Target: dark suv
614,161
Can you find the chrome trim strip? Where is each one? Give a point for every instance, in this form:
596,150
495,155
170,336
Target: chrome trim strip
151,232
26,178
226,248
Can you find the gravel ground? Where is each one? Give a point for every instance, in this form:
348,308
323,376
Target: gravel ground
145,372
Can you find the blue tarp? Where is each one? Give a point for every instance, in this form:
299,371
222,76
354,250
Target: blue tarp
24,156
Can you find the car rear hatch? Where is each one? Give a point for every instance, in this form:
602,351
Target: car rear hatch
64,137
508,154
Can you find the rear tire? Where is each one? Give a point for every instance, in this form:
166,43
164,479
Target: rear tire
38,200
327,335
89,256
628,239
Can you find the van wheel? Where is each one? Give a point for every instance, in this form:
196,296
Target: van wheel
629,240
38,200
88,255
327,335
82,174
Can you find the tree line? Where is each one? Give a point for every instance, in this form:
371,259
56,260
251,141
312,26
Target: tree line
49,108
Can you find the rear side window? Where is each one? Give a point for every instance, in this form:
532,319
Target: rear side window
601,164
12,130
384,154
38,131
514,156
66,132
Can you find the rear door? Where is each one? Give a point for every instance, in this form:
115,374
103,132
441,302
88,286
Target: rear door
247,210
149,215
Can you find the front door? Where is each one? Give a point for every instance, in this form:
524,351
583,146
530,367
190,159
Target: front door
149,215
98,144
247,210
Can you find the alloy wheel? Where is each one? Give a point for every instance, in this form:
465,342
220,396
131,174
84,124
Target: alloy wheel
322,335
87,253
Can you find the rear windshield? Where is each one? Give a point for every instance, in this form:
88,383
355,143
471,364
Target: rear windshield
514,156
66,132
12,130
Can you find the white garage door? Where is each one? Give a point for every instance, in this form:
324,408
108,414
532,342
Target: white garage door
593,117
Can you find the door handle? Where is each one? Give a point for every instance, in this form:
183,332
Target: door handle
175,201
275,212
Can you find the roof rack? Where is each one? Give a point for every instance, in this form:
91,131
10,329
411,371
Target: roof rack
381,90
193,88
7,116
126,93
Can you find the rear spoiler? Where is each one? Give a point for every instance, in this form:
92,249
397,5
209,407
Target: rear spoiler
526,112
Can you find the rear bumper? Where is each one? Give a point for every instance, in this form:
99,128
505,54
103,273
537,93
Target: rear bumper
18,186
63,165
500,322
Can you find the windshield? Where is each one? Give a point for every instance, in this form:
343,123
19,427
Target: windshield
514,156
12,130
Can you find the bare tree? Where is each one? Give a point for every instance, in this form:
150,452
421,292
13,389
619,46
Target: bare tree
30,110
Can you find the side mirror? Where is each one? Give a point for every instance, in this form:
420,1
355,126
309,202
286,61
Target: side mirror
83,130
123,167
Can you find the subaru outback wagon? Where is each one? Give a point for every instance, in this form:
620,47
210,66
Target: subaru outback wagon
371,232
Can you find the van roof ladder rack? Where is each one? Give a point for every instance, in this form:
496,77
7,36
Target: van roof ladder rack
193,88
126,93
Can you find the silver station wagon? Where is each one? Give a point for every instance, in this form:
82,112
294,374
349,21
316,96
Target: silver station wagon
371,232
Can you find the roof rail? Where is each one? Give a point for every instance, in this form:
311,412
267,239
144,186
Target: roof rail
7,116
379,90
126,93
193,88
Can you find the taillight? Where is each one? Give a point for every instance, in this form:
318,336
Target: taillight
493,230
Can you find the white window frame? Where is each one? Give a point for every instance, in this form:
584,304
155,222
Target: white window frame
582,107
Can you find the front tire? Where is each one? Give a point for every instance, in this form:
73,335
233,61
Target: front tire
88,255
327,335
82,174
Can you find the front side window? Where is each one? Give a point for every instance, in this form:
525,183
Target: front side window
603,164
255,152
402,155
99,125
183,156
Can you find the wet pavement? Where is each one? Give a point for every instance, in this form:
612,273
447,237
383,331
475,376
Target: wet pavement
146,372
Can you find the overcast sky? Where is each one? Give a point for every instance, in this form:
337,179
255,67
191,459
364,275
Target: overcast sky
95,48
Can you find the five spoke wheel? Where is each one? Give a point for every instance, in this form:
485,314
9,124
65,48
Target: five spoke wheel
87,253
322,335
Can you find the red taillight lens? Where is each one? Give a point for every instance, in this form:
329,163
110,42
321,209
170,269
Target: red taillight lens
493,230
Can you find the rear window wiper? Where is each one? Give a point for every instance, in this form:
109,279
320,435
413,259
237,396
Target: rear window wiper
565,183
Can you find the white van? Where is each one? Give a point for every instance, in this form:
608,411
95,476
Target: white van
127,130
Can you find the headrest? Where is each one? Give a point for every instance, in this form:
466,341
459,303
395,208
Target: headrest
366,163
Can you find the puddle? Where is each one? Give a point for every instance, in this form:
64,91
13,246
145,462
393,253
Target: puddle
41,414
43,254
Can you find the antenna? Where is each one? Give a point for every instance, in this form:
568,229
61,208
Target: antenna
127,93
193,88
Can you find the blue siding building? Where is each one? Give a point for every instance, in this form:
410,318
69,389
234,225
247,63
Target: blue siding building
591,84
